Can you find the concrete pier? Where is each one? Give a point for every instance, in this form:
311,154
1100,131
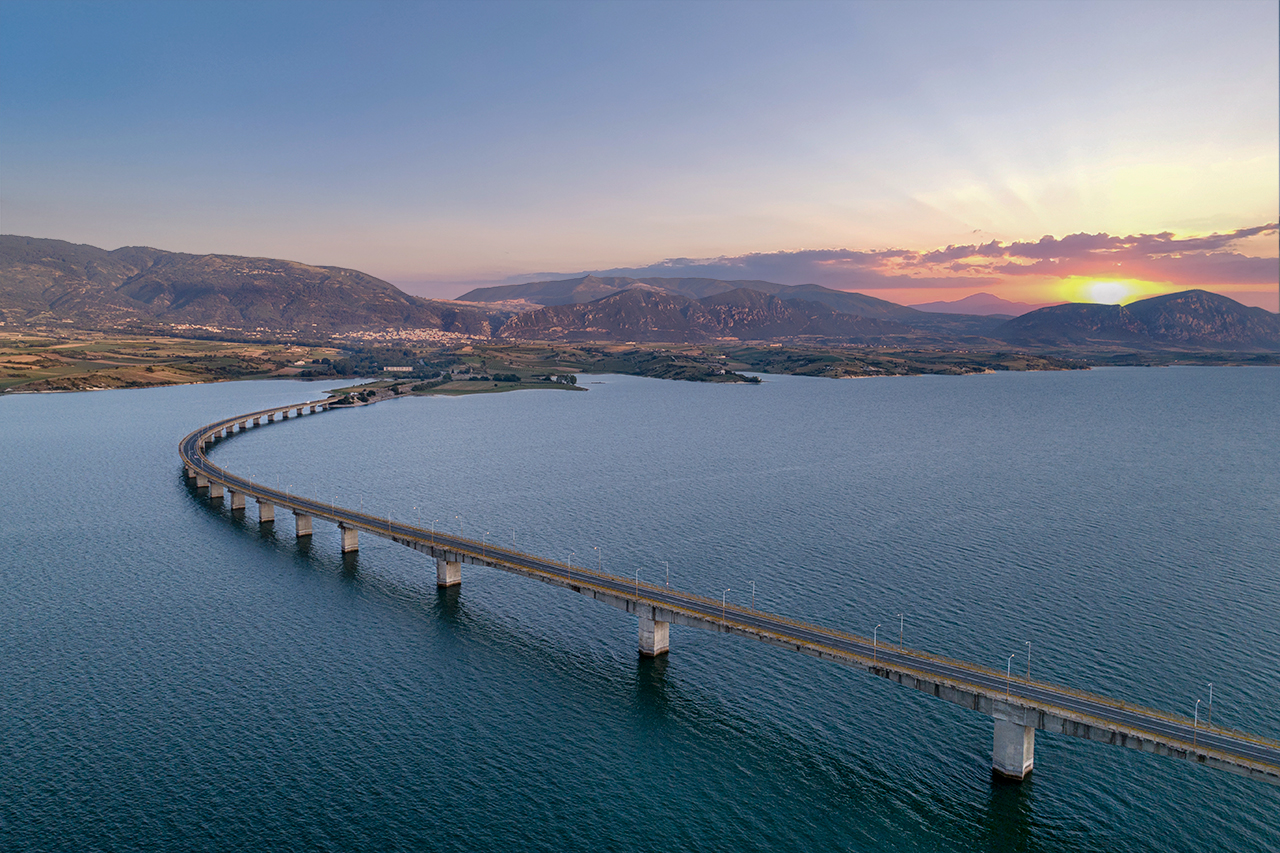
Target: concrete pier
655,635
301,524
202,482
266,512
215,489
237,499
448,572
350,538
1013,754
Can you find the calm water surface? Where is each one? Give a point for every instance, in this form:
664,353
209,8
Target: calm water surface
174,677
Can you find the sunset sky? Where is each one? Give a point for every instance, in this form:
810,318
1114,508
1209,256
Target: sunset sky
1038,151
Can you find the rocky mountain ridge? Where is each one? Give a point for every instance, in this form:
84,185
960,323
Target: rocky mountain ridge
53,280
643,315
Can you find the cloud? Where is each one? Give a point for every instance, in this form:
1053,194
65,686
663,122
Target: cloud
1203,261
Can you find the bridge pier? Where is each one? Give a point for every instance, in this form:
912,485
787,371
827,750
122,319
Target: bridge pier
655,635
448,572
237,499
266,512
301,524
1013,752
350,538
215,490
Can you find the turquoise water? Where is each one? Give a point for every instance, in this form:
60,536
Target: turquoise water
174,677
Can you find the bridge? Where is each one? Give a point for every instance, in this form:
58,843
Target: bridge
1018,706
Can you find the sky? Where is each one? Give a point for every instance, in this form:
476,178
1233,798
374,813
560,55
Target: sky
1039,151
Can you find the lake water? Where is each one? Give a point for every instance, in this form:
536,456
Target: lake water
174,677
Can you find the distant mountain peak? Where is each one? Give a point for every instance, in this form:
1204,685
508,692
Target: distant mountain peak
984,304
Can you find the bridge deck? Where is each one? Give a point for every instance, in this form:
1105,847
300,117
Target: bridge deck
1036,704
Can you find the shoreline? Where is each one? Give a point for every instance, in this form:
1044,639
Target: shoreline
76,361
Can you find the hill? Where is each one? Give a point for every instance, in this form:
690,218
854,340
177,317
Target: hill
53,280
1190,320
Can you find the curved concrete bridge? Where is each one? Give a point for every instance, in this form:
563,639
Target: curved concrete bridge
1018,706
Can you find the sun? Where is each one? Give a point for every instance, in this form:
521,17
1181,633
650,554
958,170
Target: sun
1108,292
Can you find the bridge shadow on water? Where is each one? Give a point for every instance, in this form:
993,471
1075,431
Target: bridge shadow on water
1008,823
652,686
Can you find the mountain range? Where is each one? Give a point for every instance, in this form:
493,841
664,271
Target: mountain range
52,281
590,287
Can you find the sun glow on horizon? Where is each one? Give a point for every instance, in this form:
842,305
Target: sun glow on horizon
1109,291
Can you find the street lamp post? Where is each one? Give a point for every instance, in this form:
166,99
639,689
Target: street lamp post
1209,720
434,522
901,622
569,572
637,583
1195,725
460,533
1028,660
668,565
1008,673
753,595
723,599
875,639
